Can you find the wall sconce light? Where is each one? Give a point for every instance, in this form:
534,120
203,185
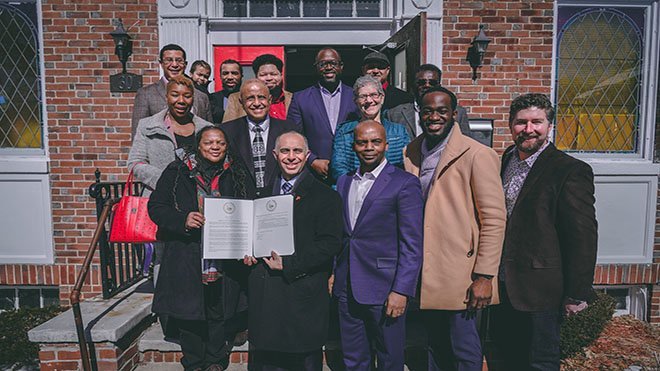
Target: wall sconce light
477,50
124,81
123,44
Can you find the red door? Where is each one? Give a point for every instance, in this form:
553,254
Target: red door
244,55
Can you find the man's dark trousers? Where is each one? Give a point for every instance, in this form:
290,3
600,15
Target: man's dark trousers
526,340
454,342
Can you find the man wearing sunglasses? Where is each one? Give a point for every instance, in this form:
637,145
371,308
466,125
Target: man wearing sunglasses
377,65
426,77
151,99
320,109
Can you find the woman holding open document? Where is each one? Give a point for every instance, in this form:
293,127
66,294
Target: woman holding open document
198,295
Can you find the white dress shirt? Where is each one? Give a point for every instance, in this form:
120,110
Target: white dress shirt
419,130
265,126
292,181
360,187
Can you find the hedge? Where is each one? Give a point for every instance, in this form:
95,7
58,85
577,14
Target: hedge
15,348
580,330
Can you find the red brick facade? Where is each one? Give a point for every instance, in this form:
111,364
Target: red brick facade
89,127
518,61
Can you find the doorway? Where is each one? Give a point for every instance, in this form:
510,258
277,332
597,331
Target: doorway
300,70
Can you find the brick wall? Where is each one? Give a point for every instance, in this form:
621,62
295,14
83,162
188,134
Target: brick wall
88,127
518,59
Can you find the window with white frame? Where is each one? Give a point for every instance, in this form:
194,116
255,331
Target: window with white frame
302,8
599,78
630,300
20,78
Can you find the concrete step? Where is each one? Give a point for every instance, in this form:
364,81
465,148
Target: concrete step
154,340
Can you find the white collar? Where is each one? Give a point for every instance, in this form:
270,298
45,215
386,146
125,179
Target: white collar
372,174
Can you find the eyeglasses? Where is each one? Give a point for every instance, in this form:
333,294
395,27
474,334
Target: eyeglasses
373,96
376,65
169,61
432,82
330,63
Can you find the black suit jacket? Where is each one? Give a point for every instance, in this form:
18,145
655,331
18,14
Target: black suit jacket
238,134
217,104
552,234
288,309
395,96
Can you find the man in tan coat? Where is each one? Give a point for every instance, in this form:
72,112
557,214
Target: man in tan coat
464,221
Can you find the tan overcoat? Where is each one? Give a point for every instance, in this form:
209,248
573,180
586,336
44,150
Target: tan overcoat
235,110
464,220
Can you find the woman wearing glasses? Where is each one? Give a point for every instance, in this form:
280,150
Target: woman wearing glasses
369,97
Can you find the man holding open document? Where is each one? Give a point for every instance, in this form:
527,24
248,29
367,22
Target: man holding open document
288,293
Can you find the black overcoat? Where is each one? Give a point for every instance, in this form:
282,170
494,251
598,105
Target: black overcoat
179,292
288,310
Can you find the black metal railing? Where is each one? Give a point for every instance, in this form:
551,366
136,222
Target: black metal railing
80,281
122,264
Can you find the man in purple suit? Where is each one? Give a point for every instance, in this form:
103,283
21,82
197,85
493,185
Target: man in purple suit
376,272
320,108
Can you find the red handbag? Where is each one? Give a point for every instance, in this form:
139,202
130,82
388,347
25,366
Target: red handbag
130,219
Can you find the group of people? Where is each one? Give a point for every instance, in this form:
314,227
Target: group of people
396,208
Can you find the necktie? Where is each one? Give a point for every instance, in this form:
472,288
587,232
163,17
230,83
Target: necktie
286,188
259,156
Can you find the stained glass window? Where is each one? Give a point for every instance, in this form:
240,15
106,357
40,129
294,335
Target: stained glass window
599,73
20,77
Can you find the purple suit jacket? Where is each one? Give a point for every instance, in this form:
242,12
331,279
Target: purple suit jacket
308,111
384,251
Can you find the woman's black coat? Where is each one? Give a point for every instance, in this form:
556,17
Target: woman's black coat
179,292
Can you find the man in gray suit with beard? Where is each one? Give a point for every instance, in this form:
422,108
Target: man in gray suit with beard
151,99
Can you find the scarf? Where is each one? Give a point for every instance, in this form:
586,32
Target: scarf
207,178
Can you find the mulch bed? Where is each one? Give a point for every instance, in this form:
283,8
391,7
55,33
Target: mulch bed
624,342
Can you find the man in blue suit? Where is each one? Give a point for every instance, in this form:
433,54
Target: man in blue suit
376,272
320,109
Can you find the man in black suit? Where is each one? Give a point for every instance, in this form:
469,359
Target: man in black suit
231,75
288,297
254,135
550,242
377,65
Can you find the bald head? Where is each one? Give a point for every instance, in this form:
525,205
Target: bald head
291,153
369,144
369,125
255,99
250,83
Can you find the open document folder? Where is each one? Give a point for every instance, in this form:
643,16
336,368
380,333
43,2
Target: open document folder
235,228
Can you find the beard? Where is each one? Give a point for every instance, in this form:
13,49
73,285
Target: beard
232,89
529,148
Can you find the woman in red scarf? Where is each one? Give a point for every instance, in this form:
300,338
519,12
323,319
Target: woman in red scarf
199,296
